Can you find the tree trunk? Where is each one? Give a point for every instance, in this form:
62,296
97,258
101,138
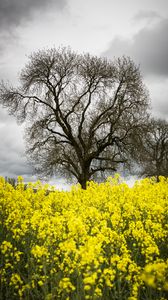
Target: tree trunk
83,184
83,179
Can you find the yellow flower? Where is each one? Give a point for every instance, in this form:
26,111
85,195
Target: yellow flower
84,243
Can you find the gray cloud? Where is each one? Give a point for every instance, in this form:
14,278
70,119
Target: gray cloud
12,162
146,15
15,13
149,48
12,13
159,96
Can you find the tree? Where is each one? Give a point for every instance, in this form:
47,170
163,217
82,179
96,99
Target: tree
153,154
81,111
11,181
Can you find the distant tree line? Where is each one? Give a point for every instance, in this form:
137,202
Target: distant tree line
11,180
86,116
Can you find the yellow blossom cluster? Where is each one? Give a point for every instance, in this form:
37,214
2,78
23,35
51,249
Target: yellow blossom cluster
109,241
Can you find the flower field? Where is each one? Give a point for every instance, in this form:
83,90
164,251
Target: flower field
107,242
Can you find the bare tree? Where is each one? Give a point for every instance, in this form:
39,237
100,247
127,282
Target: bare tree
153,154
81,111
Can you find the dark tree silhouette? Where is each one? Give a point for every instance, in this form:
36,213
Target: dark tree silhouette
153,154
81,112
11,180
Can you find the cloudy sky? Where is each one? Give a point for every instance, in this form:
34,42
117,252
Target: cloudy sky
102,27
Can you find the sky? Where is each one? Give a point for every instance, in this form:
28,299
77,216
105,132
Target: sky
106,28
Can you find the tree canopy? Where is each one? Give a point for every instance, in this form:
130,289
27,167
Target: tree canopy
153,154
81,111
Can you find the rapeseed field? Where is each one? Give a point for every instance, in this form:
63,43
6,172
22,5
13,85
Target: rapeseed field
109,241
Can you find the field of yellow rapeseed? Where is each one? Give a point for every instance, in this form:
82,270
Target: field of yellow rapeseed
107,242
